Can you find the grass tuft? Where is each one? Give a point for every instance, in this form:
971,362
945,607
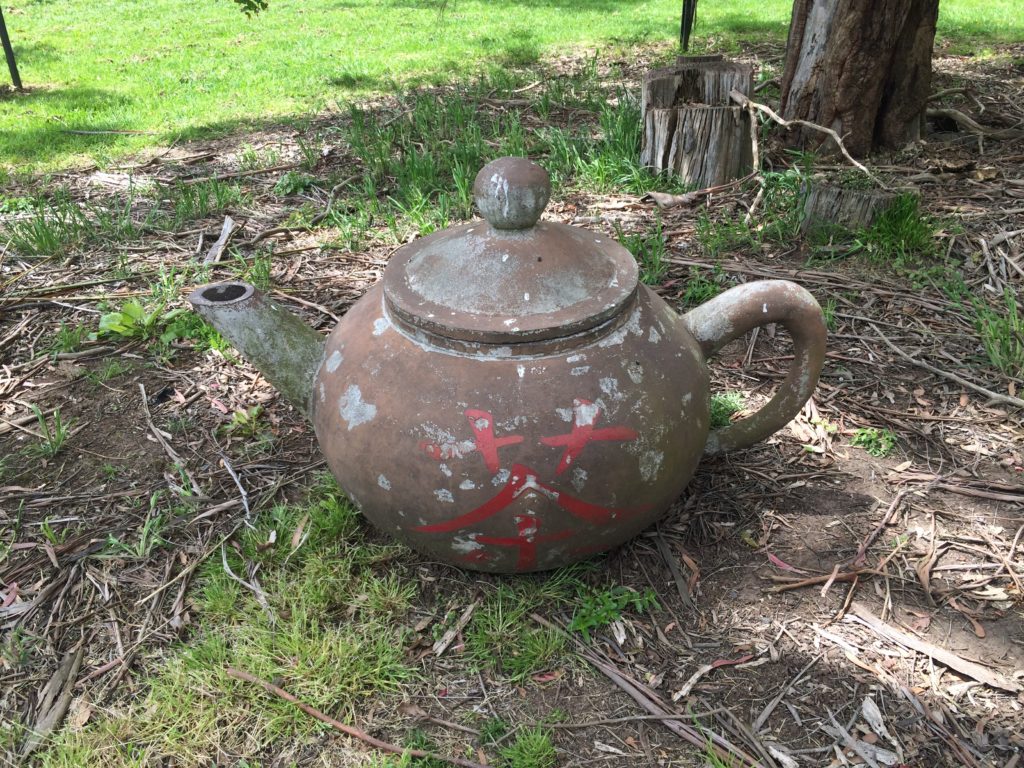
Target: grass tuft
327,633
1002,334
723,406
877,442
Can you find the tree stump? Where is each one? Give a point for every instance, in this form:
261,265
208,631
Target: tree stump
694,81
705,146
831,206
690,126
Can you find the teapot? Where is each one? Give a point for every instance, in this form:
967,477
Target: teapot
509,397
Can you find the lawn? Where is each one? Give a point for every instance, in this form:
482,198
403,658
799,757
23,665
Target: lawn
175,70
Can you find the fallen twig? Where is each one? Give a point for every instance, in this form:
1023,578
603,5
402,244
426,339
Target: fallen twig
971,126
442,645
384,746
664,200
702,738
993,396
743,101
171,453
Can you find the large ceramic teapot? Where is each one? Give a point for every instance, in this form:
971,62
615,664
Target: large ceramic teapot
509,397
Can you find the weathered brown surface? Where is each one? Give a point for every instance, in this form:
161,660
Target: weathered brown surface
860,68
554,411
829,205
690,127
705,146
695,80
506,463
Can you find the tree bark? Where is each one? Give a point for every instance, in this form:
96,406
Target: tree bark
860,67
705,146
852,209
690,126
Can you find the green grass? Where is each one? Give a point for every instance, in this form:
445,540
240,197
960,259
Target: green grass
181,70
330,632
648,248
723,406
53,437
877,442
1002,333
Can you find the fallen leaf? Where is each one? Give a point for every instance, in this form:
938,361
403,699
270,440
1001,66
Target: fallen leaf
297,537
783,566
410,709
81,711
547,677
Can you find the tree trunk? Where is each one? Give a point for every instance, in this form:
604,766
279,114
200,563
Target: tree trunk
860,67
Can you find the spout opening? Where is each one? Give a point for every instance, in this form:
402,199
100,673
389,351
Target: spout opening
221,293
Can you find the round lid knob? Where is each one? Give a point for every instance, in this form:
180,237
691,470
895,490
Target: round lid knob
512,192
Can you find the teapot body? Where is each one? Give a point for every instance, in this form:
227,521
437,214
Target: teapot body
512,458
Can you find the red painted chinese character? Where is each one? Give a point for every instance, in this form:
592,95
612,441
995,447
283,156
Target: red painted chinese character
585,416
482,424
526,541
522,480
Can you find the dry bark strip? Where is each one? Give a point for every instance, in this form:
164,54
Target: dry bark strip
442,645
383,746
56,698
941,655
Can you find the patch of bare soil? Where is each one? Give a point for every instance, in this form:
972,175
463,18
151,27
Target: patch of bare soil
818,606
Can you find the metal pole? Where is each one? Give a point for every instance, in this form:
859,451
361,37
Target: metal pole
9,52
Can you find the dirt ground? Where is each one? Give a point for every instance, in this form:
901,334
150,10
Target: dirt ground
804,585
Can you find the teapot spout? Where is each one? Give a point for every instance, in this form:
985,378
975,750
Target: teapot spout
281,346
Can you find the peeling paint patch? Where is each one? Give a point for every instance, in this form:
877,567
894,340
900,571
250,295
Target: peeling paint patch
521,370
354,410
565,414
501,478
323,393
586,414
650,464
579,478
445,470
653,336
610,387
616,337
579,370
466,544
333,361
635,372
575,358
443,494
380,325
383,482
467,485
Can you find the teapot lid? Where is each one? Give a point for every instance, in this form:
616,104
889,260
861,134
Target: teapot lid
511,278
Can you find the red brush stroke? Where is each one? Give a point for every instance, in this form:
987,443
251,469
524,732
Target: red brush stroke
486,442
583,432
526,541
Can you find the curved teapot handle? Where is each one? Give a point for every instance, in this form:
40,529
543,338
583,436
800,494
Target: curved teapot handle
743,308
